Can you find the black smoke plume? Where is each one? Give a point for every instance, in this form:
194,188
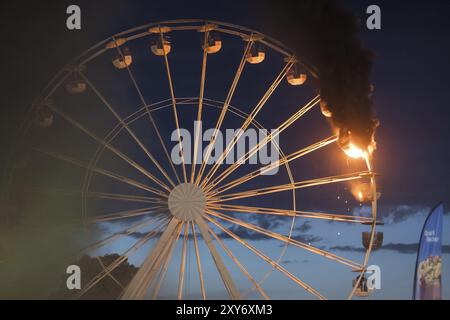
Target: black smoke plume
325,38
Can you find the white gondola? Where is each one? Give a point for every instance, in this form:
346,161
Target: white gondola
362,290
76,86
377,240
255,55
161,45
123,59
325,110
295,76
213,44
44,116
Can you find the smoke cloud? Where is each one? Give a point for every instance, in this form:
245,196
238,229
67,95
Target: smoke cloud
324,37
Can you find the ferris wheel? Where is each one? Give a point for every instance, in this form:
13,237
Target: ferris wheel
190,215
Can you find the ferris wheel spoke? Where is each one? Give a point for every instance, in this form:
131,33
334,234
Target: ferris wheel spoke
226,104
145,105
264,257
103,172
116,263
174,105
165,266
199,265
258,172
129,181
285,239
118,235
98,195
58,84
62,75
105,272
48,191
139,285
291,213
200,104
162,263
267,140
110,275
128,214
110,147
289,187
223,271
240,266
123,197
166,152
130,132
249,119
183,262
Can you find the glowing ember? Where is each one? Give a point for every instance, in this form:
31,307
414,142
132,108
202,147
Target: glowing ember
360,196
363,192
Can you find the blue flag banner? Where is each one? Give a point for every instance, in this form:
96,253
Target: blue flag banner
427,280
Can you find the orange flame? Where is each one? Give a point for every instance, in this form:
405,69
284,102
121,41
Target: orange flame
360,195
352,149
361,191
354,152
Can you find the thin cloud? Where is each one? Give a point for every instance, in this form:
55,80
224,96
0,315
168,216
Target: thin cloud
288,261
402,248
305,226
395,214
347,249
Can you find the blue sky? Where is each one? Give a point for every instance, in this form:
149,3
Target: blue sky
330,278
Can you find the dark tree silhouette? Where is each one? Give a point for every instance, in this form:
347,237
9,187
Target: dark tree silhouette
109,288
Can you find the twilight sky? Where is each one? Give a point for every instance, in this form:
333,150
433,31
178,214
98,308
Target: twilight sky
410,75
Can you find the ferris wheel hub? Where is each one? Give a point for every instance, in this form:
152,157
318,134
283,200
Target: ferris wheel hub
187,201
